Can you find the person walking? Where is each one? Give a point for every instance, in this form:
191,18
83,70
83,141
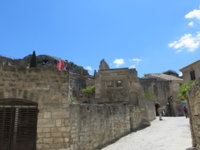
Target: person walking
185,111
160,111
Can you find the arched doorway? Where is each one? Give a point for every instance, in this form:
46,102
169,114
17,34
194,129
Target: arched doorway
157,105
18,124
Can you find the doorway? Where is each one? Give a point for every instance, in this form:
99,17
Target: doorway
18,124
156,108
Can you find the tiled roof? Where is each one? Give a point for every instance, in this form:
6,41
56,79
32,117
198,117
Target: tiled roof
182,69
163,77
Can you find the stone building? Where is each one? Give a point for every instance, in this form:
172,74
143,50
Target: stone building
191,72
38,110
121,86
163,90
117,85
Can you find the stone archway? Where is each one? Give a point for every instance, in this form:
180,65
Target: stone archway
18,124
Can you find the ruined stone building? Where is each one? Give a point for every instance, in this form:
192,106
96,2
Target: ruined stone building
117,85
163,90
121,86
39,110
192,72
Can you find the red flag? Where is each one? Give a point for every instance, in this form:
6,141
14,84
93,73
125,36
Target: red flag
61,65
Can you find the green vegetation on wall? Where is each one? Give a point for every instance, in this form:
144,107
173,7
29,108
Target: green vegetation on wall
148,95
89,90
183,90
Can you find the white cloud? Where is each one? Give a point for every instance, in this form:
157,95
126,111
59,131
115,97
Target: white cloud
119,62
191,24
132,66
136,59
89,68
194,14
180,74
187,42
179,51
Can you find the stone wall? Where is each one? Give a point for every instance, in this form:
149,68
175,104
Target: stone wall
151,111
159,90
194,110
62,125
49,89
96,125
177,103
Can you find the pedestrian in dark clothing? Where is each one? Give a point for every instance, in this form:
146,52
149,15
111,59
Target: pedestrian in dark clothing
185,111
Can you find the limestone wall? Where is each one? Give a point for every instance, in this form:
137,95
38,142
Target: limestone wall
49,88
159,90
194,109
62,125
96,125
151,111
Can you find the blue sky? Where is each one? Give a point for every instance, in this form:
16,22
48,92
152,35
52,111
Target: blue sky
151,35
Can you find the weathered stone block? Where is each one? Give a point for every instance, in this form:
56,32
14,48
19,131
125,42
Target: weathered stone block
58,140
47,115
67,129
60,114
46,123
58,123
66,139
57,134
46,129
48,140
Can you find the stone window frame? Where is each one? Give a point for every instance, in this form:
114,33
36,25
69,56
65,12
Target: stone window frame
110,84
114,84
192,75
119,83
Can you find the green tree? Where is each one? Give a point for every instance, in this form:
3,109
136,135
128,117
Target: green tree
171,72
33,62
183,90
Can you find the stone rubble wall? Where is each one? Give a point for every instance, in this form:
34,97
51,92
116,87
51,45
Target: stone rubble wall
194,110
96,125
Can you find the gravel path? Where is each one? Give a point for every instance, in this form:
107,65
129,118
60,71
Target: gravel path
173,133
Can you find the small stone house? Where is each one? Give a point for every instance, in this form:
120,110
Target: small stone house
191,72
163,89
117,85
121,86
